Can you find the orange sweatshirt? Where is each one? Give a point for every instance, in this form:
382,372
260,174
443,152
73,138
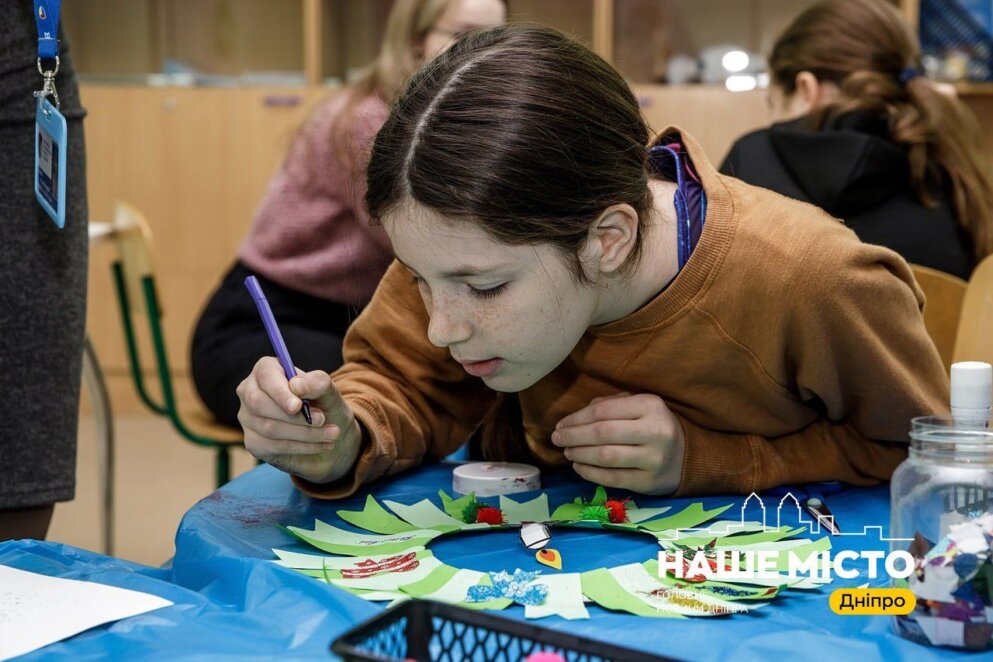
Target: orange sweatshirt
789,351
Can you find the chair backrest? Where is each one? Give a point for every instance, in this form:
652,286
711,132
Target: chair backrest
945,294
134,279
975,333
133,236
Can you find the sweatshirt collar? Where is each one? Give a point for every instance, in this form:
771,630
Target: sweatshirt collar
698,273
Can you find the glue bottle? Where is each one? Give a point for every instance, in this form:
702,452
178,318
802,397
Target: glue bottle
972,393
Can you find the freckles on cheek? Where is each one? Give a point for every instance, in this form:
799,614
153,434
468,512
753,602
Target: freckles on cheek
494,319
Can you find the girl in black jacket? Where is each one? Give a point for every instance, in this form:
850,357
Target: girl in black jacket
895,156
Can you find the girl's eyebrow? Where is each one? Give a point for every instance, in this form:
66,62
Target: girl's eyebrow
464,271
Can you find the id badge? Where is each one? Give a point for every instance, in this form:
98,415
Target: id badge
51,138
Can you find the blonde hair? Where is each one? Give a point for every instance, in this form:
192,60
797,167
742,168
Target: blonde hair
868,49
407,27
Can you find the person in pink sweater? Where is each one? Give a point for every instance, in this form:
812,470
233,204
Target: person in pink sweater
311,245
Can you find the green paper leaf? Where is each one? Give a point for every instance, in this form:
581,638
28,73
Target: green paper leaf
601,587
373,517
734,541
732,527
535,510
564,599
634,589
452,506
394,581
339,541
599,496
425,515
591,524
299,561
454,591
637,515
802,552
432,583
568,512
721,590
691,516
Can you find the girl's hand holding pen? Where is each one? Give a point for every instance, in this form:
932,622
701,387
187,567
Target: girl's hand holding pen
277,434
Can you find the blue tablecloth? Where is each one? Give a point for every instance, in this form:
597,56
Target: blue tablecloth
230,600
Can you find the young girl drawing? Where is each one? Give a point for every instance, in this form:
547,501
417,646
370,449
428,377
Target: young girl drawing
577,298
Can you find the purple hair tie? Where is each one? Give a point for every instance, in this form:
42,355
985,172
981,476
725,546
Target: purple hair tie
908,75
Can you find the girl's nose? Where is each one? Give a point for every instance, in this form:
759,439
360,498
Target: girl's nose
447,327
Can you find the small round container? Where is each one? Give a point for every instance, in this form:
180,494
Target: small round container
495,478
945,483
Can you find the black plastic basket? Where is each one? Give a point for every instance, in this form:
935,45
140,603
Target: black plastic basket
429,631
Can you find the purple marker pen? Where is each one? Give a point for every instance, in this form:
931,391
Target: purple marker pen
275,337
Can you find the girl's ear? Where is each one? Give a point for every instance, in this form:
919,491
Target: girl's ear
809,92
612,239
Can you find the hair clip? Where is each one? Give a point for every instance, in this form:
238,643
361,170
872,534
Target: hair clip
908,75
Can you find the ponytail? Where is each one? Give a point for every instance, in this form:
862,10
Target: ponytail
954,145
867,49
942,140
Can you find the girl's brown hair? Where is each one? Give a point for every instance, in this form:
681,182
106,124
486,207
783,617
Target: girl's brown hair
526,133
868,50
519,129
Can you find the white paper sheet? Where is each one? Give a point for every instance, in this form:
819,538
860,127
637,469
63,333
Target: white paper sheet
37,610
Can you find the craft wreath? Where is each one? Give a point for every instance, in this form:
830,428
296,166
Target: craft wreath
392,562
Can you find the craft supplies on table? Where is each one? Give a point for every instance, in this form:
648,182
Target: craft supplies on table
486,479
942,513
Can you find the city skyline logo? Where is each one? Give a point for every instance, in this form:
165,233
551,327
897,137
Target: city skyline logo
812,524
765,561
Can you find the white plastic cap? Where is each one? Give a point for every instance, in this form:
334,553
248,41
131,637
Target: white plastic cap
972,385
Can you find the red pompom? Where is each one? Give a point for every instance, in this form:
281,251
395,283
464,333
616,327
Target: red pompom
489,515
617,510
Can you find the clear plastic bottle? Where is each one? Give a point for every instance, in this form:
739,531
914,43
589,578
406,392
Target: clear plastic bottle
947,480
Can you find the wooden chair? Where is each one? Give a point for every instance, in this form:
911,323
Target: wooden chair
974,341
945,294
134,280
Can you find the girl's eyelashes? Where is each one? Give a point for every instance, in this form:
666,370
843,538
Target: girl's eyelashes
487,293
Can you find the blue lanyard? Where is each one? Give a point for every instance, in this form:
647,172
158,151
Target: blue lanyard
46,16
684,232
